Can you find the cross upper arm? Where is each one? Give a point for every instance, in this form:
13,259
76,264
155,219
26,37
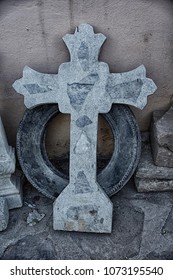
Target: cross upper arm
43,87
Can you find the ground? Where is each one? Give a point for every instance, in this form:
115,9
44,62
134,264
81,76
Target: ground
142,229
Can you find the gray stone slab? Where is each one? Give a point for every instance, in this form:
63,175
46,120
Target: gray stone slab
168,226
164,130
153,185
4,214
162,138
38,248
10,185
165,255
7,157
84,87
150,177
156,206
157,115
147,169
11,189
123,243
162,156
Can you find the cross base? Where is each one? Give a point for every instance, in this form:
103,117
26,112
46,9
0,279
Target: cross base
85,212
11,190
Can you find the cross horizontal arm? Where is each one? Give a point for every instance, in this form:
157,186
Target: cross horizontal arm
37,88
131,88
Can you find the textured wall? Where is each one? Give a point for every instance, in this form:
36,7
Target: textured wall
138,32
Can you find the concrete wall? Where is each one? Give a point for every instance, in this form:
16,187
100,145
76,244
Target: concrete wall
138,32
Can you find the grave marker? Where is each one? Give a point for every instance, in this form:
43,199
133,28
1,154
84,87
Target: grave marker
83,88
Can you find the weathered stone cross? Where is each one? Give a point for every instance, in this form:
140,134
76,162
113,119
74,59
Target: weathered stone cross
84,88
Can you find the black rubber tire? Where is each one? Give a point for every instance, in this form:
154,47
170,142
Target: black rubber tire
47,179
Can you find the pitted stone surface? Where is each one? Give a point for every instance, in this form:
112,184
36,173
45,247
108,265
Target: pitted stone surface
7,158
4,214
10,185
84,87
168,226
162,138
147,168
31,247
150,177
116,245
164,130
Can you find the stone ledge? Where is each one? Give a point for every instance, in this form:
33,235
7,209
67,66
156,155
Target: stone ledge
162,138
14,196
153,185
150,177
164,130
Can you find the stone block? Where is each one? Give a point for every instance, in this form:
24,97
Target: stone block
10,185
11,189
4,214
150,177
153,185
162,156
162,138
164,130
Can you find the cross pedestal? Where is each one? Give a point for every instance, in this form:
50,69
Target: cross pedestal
10,185
83,88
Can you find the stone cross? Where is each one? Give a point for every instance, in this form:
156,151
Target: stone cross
83,88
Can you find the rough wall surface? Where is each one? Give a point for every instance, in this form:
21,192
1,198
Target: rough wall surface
138,32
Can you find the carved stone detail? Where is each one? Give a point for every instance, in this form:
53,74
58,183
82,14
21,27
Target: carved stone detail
10,186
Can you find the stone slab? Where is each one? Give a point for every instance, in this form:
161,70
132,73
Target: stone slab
157,115
4,214
10,185
38,248
168,226
147,169
164,130
162,156
150,177
153,185
7,157
162,138
13,192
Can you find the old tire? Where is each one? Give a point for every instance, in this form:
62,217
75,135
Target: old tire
47,179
